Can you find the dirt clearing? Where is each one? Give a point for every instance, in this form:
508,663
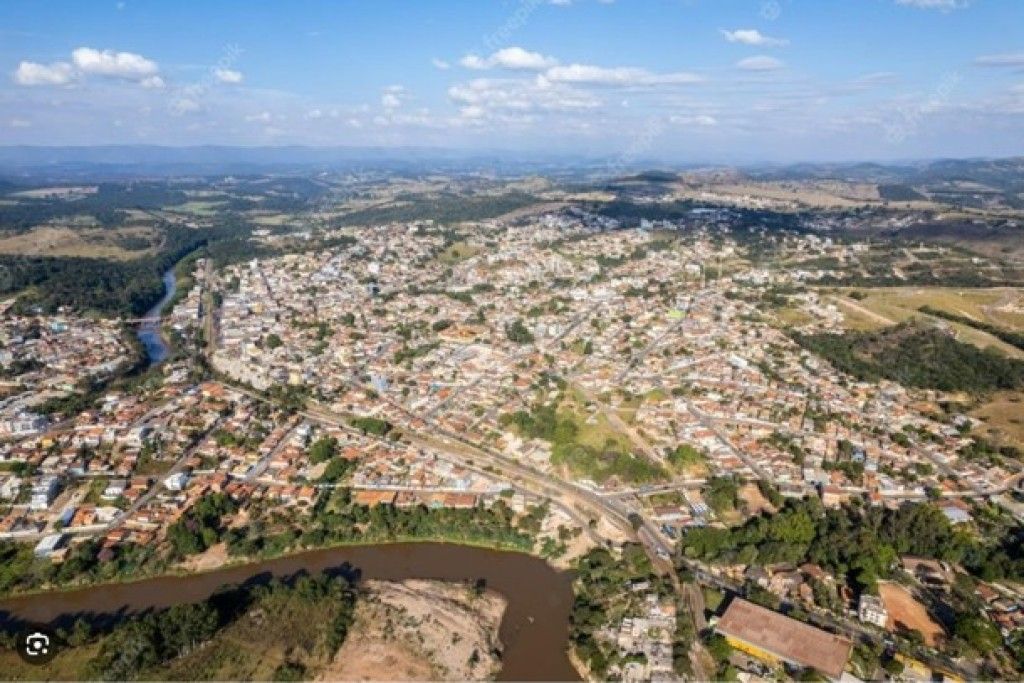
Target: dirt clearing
906,612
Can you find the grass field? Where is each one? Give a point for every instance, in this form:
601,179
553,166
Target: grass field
606,450
792,317
66,666
594,429
86,242
887,306
199,208
271,220
1003,415
458,251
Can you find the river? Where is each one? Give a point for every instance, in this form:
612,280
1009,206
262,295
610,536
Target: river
149,333
534,629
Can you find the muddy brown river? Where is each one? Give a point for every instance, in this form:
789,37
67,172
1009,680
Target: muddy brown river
534,628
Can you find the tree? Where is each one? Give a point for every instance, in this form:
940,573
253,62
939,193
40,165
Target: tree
323,449
336,470
978,632
290,671
721,493
893,666
718,647
685,455
517,333
371,425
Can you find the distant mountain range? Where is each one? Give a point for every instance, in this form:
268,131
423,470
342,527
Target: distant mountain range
126,160
1003,174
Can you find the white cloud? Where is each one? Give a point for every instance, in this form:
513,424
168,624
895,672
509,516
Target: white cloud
20,123
440,64
875,78
750,36
486,94
314,114
86,61
185,105
472,111
587,74
393,97
701,120
759,63
1006,59
32,73
228,76
515,58
942,5
262,117
127,65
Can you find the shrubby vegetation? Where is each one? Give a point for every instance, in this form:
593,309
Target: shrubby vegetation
336,520
1009,336
200,527
518,333
684,456
858,544
603,596
721,493
444,208
197,641
107,205
561,430
323,449
371,425
916,356
895,192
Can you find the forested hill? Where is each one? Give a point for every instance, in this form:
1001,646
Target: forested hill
124,287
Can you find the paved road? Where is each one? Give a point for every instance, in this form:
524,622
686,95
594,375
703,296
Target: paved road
260,467
159,485
568,495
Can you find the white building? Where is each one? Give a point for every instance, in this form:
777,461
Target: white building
176,482
43,493
48,545
115,489
872,611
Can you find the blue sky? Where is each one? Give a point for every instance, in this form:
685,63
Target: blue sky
680,80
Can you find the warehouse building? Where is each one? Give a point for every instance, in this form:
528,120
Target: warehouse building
776,639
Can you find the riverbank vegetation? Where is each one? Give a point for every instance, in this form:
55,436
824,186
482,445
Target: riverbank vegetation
251,632
606,592
334,521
